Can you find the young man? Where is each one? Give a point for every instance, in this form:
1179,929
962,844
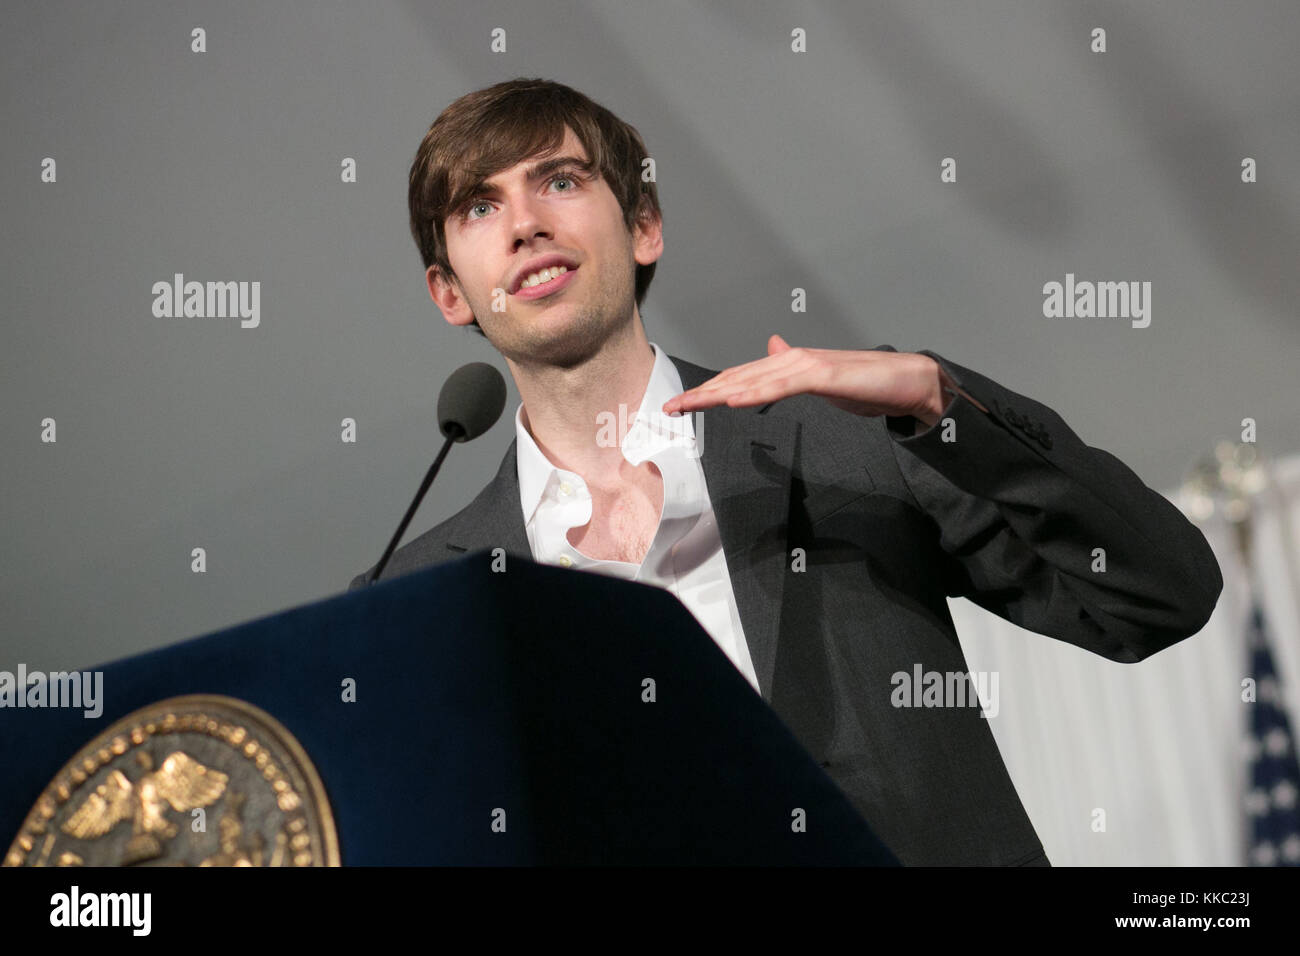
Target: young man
832,500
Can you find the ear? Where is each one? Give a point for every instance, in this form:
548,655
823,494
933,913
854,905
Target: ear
446,296
648,239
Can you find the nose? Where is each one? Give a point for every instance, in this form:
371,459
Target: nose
530,220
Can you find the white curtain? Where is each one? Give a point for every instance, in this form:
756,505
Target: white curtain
1157,746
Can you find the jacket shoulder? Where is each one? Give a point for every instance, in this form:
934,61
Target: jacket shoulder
424,551
431,548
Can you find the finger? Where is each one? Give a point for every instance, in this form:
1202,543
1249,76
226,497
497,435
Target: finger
756,370
721,381
769,390
759,392
789,362
693,402
745,375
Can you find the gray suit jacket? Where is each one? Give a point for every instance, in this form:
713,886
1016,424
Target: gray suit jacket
887,524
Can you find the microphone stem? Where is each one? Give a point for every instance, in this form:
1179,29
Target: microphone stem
456,431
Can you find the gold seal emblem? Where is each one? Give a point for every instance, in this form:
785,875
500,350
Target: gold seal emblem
202,780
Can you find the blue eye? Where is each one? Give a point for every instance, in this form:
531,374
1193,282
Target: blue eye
570,177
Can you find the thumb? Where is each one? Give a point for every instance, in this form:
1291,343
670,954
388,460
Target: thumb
776,345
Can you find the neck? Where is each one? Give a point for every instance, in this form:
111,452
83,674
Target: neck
562,406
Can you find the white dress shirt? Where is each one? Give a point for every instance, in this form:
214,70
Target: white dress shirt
685,556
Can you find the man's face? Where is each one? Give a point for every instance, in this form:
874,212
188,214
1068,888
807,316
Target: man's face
522,215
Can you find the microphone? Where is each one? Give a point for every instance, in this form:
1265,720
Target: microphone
470,403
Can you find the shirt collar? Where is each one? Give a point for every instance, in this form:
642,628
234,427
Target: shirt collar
650,432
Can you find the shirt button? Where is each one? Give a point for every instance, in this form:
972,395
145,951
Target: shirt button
566,489
565,560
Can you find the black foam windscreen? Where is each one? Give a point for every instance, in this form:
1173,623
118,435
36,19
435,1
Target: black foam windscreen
471,401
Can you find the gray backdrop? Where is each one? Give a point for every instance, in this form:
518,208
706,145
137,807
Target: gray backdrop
776,169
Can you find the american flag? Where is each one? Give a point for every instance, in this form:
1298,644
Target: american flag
1273,798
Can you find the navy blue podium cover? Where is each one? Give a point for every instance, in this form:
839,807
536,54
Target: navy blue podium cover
594,716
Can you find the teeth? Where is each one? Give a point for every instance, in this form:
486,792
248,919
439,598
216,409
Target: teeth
545,275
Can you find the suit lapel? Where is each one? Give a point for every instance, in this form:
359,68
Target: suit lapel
495,518
748,459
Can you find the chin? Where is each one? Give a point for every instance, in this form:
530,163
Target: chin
566,339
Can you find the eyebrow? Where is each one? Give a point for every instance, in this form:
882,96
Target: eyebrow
534,173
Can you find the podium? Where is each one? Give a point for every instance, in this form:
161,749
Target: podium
470,714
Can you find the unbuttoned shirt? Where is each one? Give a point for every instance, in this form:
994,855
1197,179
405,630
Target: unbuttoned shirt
685,556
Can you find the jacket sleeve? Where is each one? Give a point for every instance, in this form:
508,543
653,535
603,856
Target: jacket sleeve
1053,535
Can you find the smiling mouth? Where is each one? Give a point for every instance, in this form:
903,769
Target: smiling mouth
550,286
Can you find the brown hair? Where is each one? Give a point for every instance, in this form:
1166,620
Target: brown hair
492,129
